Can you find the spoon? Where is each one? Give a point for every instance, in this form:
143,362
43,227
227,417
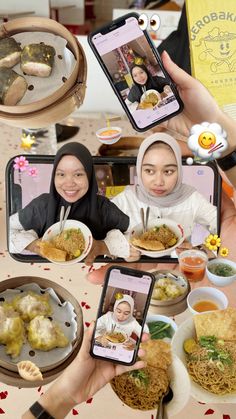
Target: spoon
161,411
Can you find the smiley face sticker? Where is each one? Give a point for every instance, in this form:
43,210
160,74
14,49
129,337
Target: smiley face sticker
207,140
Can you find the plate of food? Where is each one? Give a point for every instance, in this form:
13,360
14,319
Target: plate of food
160,239
161,327
149,99
170,293
36,325
70,246
117,338
206,344
143,389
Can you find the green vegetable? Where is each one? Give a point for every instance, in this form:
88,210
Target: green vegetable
221,269
140,378
214,353
160,330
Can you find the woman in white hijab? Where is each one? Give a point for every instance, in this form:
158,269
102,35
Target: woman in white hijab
160,186
121,319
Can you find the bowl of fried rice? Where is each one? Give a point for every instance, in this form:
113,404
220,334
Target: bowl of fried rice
70,246
160,239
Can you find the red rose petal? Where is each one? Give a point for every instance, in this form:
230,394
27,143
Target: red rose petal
46,269
3,395
89,400
39,389
1,411
87,324
75,412
83,303
226,416
87,306
209,412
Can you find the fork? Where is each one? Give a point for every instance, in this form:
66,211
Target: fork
63,217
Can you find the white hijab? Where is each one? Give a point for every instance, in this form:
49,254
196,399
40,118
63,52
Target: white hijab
125,299
180,192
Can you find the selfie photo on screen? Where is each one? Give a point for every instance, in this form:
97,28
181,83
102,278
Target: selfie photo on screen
134,69
121,314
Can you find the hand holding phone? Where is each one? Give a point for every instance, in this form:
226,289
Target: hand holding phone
121,315
135,71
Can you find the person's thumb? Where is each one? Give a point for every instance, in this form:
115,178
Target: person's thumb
179,76
86,344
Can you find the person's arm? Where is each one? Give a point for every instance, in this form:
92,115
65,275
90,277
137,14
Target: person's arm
199,106
81,380
206,213
20,239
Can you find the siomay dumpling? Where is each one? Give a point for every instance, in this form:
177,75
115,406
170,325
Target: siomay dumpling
11,330
31,305
45,335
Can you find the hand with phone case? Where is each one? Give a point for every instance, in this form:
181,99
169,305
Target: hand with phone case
82,379
121,315
135,71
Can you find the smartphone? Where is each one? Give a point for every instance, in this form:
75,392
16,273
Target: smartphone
135,71
121,315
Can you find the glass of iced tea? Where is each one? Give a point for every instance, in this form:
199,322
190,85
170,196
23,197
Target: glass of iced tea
192,263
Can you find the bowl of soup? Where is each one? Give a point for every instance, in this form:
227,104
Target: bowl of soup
204,299
221,272
109,135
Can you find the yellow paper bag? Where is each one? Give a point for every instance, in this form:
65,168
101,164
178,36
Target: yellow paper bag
212,37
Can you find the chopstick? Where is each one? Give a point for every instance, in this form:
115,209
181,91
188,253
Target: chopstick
217,147
63,217
145,218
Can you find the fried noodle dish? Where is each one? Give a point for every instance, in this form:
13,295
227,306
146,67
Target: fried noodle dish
157,238
142,389
65,246
211,357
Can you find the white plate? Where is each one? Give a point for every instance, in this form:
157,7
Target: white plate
157,222
54,230
180,385
186,331
150,91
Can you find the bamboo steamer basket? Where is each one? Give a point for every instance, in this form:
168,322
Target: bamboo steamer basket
64,100
8,374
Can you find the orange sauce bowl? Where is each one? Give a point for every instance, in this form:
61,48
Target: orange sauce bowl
204,299
109,135
192,263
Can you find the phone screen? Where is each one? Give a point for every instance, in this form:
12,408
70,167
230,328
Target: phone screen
136,74
121,316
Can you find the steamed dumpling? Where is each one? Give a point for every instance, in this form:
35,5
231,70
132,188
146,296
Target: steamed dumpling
31,305
11,331
45,335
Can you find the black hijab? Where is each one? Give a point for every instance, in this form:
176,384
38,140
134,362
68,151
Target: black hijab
96,211
153,82
85,209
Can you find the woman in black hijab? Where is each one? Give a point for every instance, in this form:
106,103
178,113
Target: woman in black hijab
143,81
73,183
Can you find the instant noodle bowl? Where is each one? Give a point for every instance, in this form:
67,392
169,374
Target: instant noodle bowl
68,247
